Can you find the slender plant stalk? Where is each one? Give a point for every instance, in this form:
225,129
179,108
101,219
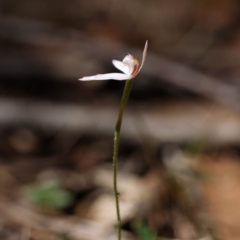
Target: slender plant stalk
125,95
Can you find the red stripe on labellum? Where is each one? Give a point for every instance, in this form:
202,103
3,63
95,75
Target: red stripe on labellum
135,67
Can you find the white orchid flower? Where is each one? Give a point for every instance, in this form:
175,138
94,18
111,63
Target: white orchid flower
129,66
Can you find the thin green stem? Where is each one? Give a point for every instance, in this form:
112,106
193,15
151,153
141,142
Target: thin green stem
125,96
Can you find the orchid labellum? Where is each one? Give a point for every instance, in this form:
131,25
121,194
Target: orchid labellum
129,66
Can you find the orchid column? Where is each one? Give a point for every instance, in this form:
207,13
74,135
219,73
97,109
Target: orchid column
130,68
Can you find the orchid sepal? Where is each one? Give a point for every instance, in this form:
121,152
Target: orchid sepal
107,76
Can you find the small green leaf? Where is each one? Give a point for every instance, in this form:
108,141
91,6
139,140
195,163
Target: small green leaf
144,232
49,195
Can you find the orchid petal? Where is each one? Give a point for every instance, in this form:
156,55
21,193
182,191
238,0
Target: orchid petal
107,76
121,66
144,55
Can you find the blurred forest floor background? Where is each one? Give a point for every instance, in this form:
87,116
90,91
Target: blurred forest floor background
179,160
